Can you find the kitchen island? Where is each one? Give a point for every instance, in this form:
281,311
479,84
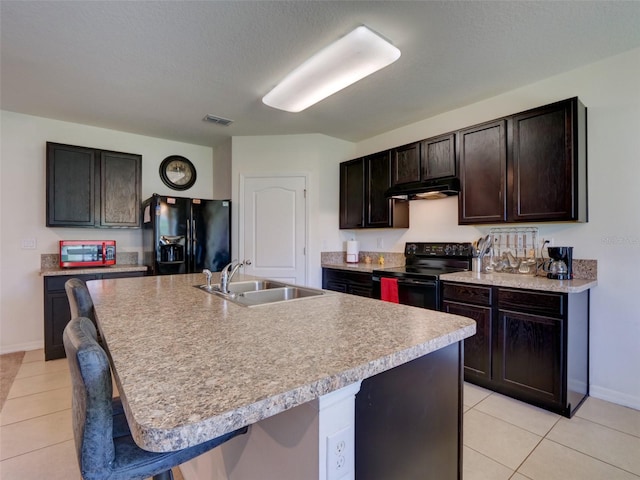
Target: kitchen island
190,366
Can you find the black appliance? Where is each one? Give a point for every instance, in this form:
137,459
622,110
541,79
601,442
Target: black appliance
426,190
185,235
419,279
560,263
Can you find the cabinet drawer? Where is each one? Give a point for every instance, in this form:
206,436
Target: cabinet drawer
553,304
467,293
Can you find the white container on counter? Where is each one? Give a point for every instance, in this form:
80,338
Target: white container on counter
352,251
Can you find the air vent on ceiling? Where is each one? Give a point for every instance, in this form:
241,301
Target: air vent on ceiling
219,120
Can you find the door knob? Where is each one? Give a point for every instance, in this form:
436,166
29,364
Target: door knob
247,262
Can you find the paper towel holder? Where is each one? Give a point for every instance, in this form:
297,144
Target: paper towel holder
352,251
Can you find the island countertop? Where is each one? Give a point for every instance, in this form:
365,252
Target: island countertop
191,366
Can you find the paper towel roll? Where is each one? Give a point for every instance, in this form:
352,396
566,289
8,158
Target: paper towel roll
352,251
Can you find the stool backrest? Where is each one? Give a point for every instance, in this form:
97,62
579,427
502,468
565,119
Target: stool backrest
80,302
91,402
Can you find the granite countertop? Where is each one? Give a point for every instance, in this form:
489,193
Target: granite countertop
126,262
529,282
191,366
359,267
52,271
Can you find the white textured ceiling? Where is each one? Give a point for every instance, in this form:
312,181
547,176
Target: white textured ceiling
157,67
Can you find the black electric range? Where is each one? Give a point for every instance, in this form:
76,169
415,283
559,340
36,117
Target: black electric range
418,281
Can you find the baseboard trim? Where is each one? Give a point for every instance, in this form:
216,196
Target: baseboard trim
21,347
614,396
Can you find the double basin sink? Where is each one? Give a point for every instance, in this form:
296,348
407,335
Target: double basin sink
252,293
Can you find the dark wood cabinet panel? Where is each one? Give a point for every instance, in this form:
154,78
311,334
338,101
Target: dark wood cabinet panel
120,189
71,188
378,174
405,164
92,188
483,164
355,283
528,356
549,154
352,194
56,308
530,345
439,157
477,349
527,167
363,204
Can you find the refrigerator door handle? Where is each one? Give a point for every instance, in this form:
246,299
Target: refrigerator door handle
193,245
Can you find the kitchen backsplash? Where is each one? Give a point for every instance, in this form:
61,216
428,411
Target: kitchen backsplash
582,269
390,258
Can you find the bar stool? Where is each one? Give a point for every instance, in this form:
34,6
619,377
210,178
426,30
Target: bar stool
104,445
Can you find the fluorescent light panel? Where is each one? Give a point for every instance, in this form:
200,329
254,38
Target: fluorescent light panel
349,59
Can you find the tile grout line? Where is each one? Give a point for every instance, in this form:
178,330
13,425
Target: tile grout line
595,458
34,417
36,450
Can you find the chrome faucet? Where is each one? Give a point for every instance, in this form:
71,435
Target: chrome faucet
208,275
226,276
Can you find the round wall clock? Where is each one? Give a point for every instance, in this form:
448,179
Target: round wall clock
177,172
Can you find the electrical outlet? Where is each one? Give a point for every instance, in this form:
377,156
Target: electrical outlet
340,454
29,243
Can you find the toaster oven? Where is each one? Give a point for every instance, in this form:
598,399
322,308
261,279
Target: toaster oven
87,253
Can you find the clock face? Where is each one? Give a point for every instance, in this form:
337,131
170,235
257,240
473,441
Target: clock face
177,172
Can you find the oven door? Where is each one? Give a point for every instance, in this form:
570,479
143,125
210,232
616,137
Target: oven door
415,292
419,293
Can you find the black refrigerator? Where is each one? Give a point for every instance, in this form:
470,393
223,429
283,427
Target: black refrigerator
185,235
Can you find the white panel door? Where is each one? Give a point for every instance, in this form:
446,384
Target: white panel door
272,219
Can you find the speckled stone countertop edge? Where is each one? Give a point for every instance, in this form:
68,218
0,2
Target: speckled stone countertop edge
51,272
167,440
521,281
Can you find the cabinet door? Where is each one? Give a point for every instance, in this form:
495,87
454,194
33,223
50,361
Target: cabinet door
544,164
439,157
120,189
528,357
483,153
71,188
352,194
405,164
378,207
477,349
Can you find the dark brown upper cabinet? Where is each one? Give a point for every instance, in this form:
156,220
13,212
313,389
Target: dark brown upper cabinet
363,183
483,154
425,160
405,164
439,157
549,163
527,167
88,187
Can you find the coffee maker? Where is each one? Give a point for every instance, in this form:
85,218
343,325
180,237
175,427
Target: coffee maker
560,263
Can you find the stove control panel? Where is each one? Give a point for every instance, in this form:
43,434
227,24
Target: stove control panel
438,249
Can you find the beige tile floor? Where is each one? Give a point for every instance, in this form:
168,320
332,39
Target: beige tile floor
503,438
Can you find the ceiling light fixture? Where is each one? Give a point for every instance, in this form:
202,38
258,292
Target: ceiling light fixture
349,59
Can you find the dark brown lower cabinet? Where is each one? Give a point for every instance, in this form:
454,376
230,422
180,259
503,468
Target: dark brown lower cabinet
530,345
409,420
355,283
56,308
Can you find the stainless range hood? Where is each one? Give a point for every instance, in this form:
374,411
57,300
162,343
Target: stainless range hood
428,190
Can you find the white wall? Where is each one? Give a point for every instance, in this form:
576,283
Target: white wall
317,156
23,207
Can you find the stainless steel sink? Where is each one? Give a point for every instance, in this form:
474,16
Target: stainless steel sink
260,292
